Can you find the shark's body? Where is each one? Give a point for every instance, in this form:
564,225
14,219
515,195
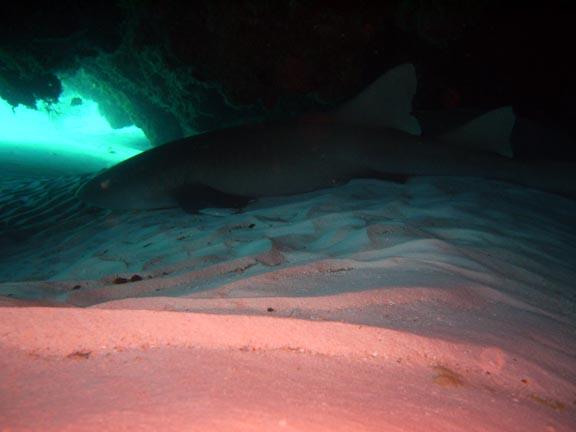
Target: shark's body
374,135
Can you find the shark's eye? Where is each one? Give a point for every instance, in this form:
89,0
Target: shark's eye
105,184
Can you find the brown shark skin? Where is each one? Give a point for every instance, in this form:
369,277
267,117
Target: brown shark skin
282,159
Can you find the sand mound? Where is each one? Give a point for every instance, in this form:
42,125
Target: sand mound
438,305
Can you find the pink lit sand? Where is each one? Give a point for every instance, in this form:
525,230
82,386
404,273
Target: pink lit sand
439,305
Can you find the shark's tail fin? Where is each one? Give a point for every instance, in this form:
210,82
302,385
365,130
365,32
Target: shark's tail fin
490,131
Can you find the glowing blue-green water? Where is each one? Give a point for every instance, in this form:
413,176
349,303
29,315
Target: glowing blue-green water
64,138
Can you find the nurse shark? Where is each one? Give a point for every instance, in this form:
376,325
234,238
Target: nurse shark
374,135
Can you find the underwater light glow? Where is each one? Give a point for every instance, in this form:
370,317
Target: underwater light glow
70,136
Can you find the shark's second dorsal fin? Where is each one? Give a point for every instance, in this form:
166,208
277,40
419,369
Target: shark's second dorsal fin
387,102
490,131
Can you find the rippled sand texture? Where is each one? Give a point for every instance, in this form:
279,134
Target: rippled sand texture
438,305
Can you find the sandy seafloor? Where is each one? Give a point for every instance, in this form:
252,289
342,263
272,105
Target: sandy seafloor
442,304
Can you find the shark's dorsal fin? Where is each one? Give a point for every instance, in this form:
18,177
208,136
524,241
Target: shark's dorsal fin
387,102
490,131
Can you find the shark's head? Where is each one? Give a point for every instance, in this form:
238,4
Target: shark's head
121,188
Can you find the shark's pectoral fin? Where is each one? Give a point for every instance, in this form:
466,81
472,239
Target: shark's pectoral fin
389,176
195,197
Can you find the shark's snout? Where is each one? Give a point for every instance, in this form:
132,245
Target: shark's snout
123,191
